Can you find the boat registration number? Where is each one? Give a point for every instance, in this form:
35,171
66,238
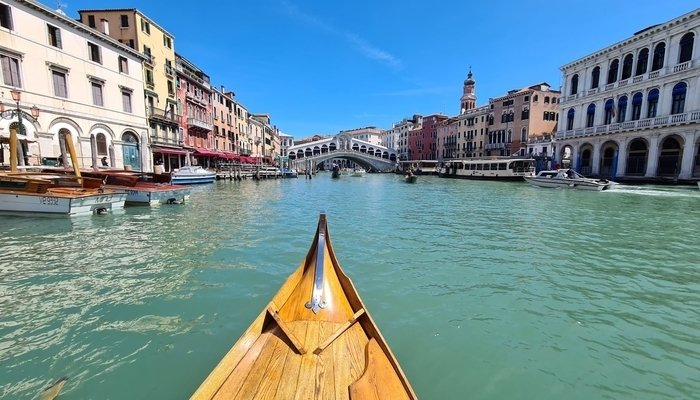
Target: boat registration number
49,201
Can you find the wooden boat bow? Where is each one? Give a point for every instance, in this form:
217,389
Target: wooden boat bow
314,340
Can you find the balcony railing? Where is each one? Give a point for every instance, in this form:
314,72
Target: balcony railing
149,59
163,115
169,70
674,119
495,146
198,123
156,139
201,100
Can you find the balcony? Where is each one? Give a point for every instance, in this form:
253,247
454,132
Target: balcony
169,71
691,117
200,100
198,123
495,146
161,115
159,140
150,60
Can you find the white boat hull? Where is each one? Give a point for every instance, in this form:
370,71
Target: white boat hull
45,203
567,178
559,183
156,197
192,175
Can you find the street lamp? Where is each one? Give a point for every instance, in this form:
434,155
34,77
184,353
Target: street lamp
11,114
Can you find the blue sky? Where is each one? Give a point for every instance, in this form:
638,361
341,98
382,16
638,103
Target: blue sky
318,67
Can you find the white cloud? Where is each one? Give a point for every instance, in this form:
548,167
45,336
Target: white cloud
360,45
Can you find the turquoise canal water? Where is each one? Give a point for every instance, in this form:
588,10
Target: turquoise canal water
484,290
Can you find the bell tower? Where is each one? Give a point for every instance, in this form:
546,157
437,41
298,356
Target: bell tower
468,100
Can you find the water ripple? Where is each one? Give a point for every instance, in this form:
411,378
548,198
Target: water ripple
496,289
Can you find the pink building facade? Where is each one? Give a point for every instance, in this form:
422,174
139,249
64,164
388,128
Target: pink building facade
195,101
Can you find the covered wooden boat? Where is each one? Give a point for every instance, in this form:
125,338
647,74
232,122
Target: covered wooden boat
314,340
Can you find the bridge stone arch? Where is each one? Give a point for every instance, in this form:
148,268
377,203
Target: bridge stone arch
366,154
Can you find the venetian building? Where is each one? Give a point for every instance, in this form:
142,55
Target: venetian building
132,28
422,141
472,130
630,111
244,142
70,79
194,94
519,115
396,138
224,134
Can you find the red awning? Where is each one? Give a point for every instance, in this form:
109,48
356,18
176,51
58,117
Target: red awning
167,150
228,155
207,153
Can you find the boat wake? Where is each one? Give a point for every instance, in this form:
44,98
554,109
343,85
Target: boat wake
660,191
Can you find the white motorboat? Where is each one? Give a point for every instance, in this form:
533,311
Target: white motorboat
568,178
192,174
358,172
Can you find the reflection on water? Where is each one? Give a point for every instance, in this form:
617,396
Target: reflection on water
500,290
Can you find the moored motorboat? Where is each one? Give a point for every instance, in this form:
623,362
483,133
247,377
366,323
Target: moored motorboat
58,194
140,189
43,193
568,178
192,174
314,340
410,178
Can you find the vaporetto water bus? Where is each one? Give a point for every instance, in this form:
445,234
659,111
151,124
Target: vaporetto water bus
494,168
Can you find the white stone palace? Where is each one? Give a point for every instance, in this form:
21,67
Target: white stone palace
632,110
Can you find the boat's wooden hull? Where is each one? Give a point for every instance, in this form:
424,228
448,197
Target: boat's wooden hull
314,340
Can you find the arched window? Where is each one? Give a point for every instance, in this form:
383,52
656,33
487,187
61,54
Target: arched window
510,136
642,62
595,77
570,119
652,103
101,142
590,115
658,61
535,97
609,111
612,71
129,137
636,158
622,109
525,114
678,99
686,47
637,106
627,66
574,85
523,135
546,99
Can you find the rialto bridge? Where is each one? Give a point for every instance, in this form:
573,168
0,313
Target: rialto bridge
368,155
